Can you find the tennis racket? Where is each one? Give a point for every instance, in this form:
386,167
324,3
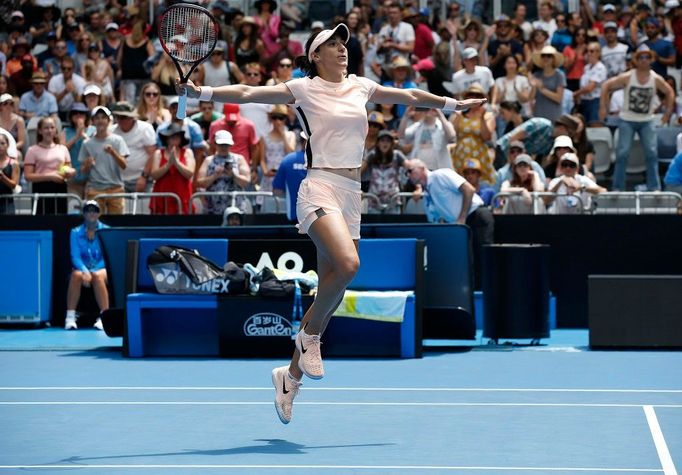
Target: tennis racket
188,34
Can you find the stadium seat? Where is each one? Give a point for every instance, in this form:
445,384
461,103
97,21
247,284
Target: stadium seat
602,140
667,142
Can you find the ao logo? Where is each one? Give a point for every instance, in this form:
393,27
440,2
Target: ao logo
283,262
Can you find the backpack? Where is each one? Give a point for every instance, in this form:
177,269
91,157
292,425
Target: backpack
178,270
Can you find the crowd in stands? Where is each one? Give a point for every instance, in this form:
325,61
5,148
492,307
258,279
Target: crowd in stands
88,103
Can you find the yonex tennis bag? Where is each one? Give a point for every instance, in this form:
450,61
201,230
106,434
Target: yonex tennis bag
178,270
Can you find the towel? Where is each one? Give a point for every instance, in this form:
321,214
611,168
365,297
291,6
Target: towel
374,305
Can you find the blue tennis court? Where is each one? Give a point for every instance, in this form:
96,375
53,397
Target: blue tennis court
539,410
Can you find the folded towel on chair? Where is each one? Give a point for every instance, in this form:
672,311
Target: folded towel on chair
374,305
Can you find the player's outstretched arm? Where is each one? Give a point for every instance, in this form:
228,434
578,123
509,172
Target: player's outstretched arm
237,94
419,98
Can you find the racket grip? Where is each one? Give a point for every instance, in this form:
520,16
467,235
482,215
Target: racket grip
182,107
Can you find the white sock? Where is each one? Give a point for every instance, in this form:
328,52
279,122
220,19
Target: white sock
292,378
71,314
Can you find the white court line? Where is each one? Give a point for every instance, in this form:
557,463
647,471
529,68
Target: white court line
269,388
318,403
343,467
659,440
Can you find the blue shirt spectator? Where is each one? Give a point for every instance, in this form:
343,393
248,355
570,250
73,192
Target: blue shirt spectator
86,255
443,197
38,102
673,178
562,38
290,174
663,49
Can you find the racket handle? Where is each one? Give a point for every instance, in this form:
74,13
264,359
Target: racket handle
182,107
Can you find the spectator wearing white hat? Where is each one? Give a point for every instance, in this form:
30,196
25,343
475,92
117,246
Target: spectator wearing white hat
224,171
92,96
110,45
103,158
570,182
472,74
12,122
523,181
9,177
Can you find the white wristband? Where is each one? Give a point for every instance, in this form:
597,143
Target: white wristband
450,104
206,93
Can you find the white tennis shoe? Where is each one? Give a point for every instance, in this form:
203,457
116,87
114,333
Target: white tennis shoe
310,356
70,323
286,390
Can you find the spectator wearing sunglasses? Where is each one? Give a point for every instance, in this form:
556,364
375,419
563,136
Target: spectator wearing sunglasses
285,67
570,183
516,148
278,143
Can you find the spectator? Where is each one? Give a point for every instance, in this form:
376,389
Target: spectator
547,86
76,131
399,73
81,56
472,74
423,36
449,198
664,49
563,36
93,97
268,25
640,85
49,52
356,45
223,172
46,23
394,39
673,177
283,72
589,94
66,86
20,80
172,172
11,122
249,48
472,37
110,45
53,65
523,182
164,74
511,114
471,171
140,138
546,19
289,176
136,49
438,70
192,132
278,143
206,116
512,87
218,71
38,102
563,144
428,136
383,166
19,49
536,134
233,216
390,120
584,148
243,132
97,70
48,166
9,177
505,172
474,127
256,113
570,183
519,20
88,265
103,159
574,55
503,46
150,106
538,40
608,16
614,53
375,124
287,48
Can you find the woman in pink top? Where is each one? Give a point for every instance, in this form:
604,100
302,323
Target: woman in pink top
48,167
331,106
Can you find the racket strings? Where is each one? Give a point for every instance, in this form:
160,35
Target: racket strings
188,33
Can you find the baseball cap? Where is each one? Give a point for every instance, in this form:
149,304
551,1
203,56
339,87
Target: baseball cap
385,133
112,26
503,19
99,109
610,25
317,24
609,8
324,35
425,64
517,144
231,112
92,89
223,137
123,109
173,101
6,97
91,205
39,77
523,158
570,157
469,53
563,141
17,13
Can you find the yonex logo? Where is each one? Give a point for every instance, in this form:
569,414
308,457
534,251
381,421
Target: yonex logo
267,324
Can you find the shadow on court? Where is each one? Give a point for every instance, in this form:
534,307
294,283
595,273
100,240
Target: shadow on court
271,446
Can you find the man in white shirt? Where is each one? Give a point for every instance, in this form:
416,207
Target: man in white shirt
570,184
614,53
66,86
394,39
429,137
546,19
140,137
472,74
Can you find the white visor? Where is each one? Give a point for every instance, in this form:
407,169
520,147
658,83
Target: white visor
325,35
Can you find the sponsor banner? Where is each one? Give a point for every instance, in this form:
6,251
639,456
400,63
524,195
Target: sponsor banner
267,324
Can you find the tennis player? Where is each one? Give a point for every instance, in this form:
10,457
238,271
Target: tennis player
331,105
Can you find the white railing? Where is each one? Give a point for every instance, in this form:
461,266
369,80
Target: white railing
541,203
247,205
27,203
637,202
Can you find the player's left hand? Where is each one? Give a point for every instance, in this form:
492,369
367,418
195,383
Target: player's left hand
188,88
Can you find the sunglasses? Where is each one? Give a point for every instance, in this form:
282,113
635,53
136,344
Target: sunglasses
593,51
568,165
515,150
409,170
151,94
545,56
7,103
645,56
253,75
285,65
278,117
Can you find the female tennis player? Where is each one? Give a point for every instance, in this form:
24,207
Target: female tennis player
331,105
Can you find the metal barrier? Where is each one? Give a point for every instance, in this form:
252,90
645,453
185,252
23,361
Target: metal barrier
246,205
510,203
372,204
637,202
133,201
28,203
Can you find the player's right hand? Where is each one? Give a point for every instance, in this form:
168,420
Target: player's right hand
188,88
